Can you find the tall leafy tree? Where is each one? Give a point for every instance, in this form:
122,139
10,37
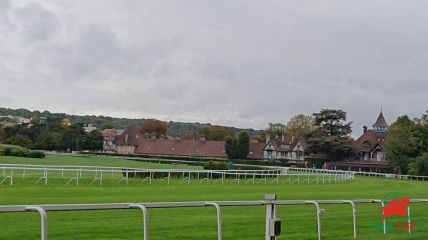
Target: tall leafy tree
420,166
400,147
276,129
331,138
94,141
216,133
243,145
230,147
331,122
153,127
237,148
299,125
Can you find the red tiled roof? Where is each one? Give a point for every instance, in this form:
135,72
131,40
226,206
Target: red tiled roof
181,147
128,137
110,134
373,138
193,148
256,150
287,144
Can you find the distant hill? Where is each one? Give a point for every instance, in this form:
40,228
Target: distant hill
102,122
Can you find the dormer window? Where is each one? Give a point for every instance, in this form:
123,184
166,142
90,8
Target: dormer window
365,144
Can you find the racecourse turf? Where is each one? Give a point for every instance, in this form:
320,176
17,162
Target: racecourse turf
298,222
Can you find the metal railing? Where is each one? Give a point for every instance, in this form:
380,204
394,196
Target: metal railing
270,202
97,174
359,173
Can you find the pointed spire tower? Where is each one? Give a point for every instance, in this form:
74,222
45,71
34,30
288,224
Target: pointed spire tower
380,126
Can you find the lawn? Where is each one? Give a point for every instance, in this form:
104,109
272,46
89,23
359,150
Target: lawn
299,222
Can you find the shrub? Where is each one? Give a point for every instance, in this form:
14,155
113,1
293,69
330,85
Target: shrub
36,154
215,165
7,151
13,150
19,152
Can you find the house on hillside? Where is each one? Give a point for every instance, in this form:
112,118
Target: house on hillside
109,136
89,128
370,149
127,141
289,149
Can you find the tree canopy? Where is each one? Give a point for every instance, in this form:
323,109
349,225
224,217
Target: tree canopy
237,148
299,125
406,145
330,138
153,127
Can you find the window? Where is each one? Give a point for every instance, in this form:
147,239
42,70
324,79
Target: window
365,144
379,156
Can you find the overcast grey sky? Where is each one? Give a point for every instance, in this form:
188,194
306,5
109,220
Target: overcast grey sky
242,63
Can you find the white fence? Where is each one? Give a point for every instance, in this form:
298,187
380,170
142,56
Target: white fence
270,202
97,174
368,174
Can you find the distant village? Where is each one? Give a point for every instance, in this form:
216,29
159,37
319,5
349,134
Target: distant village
280,148
368,150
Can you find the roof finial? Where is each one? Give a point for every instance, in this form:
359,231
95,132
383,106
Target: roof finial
380,109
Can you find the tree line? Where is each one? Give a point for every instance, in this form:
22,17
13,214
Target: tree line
406,145
55,134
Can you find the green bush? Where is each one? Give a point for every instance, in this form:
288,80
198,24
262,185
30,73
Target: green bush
19,152
13,150
36,154
215,165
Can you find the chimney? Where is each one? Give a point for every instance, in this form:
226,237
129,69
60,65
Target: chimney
267,138
365,129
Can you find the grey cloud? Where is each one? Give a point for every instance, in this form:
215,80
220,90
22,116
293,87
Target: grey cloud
242,63
35,22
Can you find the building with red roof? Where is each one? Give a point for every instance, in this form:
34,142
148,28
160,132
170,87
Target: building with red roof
370,149
130,141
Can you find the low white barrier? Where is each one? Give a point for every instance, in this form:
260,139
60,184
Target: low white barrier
98,174
270,202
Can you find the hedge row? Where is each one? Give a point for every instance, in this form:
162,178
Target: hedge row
215,165
17,151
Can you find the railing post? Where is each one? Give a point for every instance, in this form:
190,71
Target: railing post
145,219
44,220
270,214
319,211
219,221
408,220
354,217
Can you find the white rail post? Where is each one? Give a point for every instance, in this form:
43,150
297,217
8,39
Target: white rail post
354,217
219,222
319,211
44,220
270,214
408,220
46,177
145,219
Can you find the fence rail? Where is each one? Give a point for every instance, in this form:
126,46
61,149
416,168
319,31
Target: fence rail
270,203
97,174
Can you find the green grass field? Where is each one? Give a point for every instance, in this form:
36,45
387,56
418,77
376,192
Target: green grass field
299,222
